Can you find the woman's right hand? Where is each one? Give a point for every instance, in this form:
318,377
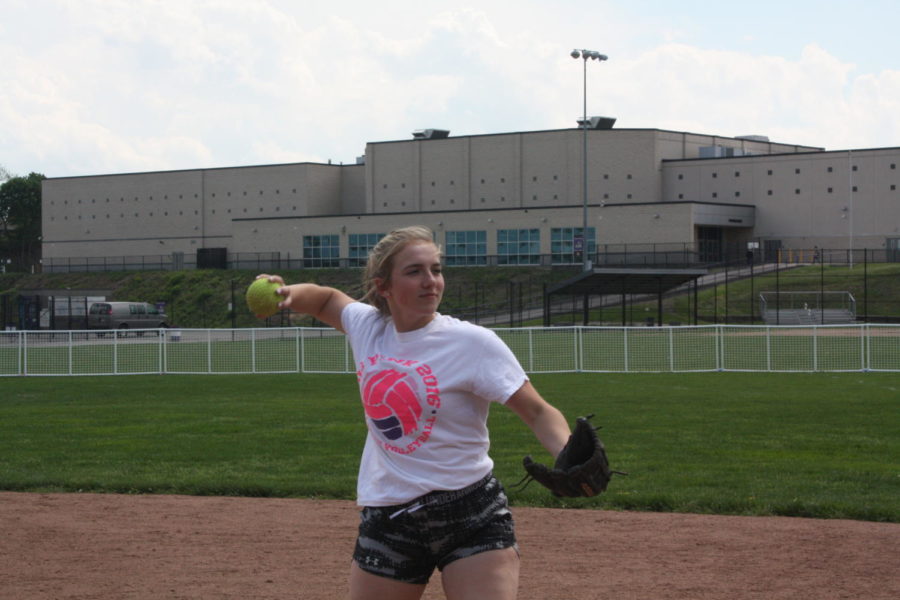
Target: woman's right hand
282,291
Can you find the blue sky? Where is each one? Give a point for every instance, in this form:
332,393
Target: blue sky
106,86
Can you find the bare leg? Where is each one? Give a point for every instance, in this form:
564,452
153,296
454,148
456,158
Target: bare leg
366,586
492,575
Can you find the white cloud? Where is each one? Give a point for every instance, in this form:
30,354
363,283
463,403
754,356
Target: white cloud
126,85
815,100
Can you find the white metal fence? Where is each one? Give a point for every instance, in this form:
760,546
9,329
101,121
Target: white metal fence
865,347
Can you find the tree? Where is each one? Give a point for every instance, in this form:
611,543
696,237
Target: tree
20,220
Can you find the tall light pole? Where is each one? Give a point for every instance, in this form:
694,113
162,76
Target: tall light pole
592,55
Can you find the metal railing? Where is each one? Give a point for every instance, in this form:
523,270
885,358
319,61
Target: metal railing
863,347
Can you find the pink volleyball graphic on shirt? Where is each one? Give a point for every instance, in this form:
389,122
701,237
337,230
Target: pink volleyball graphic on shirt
391,402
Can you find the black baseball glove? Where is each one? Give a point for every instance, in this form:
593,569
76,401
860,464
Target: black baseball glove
581,469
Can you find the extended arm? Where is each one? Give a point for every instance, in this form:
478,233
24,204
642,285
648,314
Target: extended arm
320,302
547,422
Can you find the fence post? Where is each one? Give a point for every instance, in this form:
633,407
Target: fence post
253,332
530,351
863,347
579,349
672,349
815,356
720,351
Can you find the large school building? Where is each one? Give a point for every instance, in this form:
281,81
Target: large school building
646,196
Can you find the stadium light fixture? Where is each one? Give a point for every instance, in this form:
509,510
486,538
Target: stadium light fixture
585,55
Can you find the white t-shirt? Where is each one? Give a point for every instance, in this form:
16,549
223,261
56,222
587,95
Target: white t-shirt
426,395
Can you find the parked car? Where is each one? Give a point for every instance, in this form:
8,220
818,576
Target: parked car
126,315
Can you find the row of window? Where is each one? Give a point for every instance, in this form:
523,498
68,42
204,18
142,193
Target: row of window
797,191
797,171
165,197
513,247
534,179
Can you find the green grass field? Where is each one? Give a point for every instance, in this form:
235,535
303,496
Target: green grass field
812,445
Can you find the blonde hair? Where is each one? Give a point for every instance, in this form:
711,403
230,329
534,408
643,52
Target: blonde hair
381,262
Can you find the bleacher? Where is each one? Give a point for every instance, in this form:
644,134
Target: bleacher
809,316
807,308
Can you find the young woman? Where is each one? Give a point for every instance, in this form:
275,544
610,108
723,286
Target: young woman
428,496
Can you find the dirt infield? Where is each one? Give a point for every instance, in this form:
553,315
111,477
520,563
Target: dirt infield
93,546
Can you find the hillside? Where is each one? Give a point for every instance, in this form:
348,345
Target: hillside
201,298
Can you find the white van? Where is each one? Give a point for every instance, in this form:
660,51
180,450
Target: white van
126,315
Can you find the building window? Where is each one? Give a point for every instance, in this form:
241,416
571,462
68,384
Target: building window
562,244
466,248
770,172
321,250
831,169
519,246
360,246
796,171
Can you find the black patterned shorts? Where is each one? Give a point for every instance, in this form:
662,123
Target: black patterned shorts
406,542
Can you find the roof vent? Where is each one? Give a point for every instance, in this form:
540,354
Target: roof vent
753,138
597,123
431,134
